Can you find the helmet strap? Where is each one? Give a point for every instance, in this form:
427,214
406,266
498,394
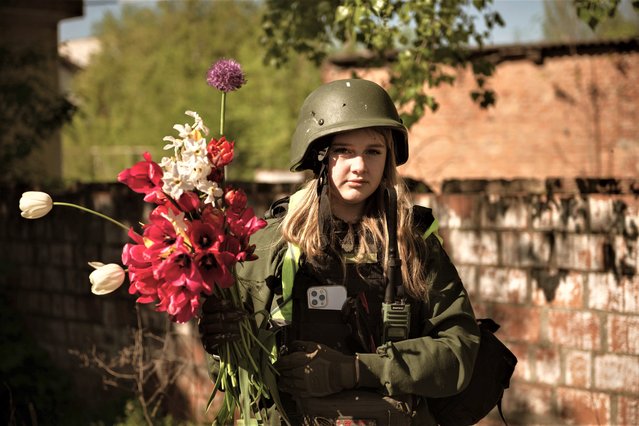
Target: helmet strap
322,175
324,215
324,207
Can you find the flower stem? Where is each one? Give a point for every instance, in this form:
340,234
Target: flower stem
103,216
222,111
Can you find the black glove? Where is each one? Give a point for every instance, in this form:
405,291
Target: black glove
219,323
314,370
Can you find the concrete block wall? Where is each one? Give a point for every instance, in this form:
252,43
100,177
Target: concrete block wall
555,263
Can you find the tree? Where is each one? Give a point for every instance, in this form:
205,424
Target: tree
31,109
147,76
426,40
589,20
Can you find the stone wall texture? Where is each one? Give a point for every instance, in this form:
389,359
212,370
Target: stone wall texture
553,261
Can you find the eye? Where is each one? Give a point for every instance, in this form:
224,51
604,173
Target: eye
374,151
340,151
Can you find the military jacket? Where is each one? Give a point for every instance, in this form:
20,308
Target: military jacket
438,357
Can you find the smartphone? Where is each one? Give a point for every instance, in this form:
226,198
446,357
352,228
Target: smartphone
331,297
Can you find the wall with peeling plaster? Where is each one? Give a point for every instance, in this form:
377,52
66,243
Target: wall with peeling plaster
553,261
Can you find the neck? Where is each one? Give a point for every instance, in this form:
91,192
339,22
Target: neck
348,213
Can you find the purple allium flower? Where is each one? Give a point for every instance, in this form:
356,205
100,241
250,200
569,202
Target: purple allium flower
225,75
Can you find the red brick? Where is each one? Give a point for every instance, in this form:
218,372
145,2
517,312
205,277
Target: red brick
568,294
523,369
623,334
457,211
531,399
600,209
518,323
503,285
627,410
525,248
579,252
618,373
546,214
578,365
605,215
547,364
606,293
468,275
559,213
504,212
630,295
573,329
584,407
470,247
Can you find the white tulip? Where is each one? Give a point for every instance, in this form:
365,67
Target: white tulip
35,204
106,278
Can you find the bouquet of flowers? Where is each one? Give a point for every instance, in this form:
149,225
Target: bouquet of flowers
197,232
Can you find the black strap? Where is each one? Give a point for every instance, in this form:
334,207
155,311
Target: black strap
393,261
501,413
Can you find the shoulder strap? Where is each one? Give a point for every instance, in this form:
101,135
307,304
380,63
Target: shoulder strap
426,222
283,313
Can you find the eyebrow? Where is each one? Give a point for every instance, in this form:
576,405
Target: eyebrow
374,144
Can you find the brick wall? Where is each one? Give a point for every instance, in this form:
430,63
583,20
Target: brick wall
566,111
553,261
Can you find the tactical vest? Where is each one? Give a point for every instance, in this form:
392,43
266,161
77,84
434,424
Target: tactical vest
357,326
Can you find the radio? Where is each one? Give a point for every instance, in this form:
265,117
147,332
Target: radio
395,310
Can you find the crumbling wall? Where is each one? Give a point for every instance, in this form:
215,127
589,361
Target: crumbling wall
553,261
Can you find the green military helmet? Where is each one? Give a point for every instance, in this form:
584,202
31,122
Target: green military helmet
339,106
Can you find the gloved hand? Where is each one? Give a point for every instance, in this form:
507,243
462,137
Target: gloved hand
219,323
314,370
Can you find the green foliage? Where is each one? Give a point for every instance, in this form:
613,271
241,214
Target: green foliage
431,38
31,109
590,19
152,68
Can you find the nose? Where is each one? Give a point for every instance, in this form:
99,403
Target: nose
358,164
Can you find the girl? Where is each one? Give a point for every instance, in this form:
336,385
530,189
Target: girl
323,271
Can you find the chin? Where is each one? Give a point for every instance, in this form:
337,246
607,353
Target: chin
355,198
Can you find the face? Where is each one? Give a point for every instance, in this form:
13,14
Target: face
356,161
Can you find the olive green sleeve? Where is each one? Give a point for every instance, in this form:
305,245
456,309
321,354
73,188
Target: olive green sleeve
440,362
257,277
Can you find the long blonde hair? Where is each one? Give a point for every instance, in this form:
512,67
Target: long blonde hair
301,225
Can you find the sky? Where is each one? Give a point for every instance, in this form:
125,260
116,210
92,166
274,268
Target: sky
522,17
